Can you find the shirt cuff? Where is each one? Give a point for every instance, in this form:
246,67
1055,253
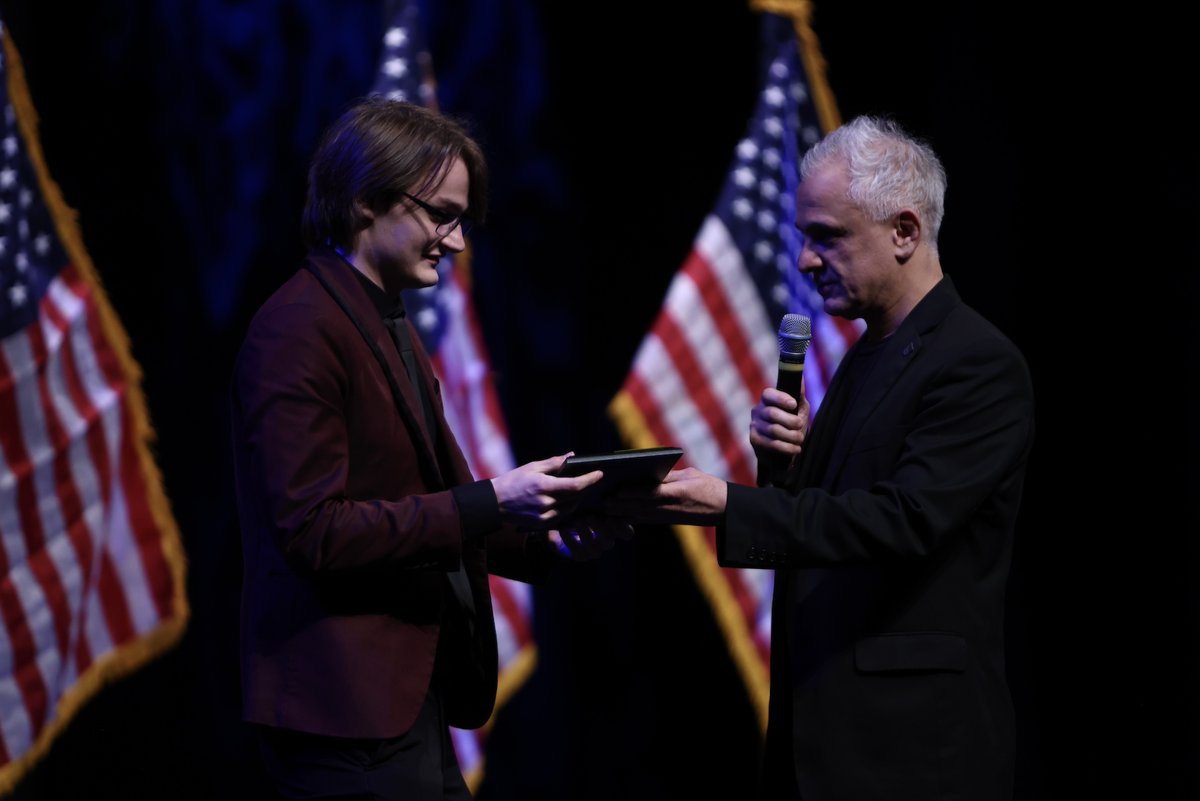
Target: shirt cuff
478,508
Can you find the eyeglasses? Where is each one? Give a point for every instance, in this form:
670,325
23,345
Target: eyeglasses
444,222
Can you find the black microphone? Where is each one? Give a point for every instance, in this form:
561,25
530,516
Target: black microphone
795,332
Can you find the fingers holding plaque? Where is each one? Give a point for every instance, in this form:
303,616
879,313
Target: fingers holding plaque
637,467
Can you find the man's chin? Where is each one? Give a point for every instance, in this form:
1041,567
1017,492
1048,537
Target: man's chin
834,306
428,275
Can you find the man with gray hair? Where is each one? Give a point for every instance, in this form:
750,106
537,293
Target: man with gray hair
891,530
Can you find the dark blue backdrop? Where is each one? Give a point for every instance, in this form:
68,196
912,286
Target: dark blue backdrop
180,131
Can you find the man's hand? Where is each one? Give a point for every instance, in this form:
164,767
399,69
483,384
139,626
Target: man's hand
778,423
533,497
688,496
586,538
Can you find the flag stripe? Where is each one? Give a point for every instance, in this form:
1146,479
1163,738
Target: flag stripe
734,368
91,395
73,549
470,395
697,308
87,455
641,400
25,561
20,720
735,302
674,341
61,517
139,561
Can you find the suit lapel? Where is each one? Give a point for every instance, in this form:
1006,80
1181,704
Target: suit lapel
335,276
890,364
839,420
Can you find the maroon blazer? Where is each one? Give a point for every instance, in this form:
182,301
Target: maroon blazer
351,521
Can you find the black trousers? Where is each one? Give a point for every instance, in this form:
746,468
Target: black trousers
419,765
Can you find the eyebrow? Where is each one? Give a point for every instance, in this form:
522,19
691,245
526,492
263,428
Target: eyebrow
447,206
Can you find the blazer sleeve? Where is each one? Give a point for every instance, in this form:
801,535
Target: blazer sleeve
511,553
335,490
943,452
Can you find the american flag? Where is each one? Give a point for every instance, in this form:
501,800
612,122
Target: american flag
449,329
714,344
91,566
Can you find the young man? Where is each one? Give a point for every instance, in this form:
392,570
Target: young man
367,623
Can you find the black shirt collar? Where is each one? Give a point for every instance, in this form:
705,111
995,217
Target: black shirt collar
386,306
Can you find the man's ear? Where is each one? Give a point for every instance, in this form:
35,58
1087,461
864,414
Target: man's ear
365,215
906,233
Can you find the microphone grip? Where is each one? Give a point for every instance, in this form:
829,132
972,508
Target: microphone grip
791,375
773,467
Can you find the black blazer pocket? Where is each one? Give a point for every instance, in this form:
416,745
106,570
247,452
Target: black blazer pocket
911,651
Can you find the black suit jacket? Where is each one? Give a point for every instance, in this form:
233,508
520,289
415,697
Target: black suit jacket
351,520
892,549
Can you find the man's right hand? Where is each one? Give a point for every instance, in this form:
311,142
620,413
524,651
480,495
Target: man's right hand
778,424
533,497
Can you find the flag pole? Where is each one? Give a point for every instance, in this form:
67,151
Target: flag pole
800,12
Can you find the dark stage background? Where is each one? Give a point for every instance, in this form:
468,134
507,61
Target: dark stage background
180,132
